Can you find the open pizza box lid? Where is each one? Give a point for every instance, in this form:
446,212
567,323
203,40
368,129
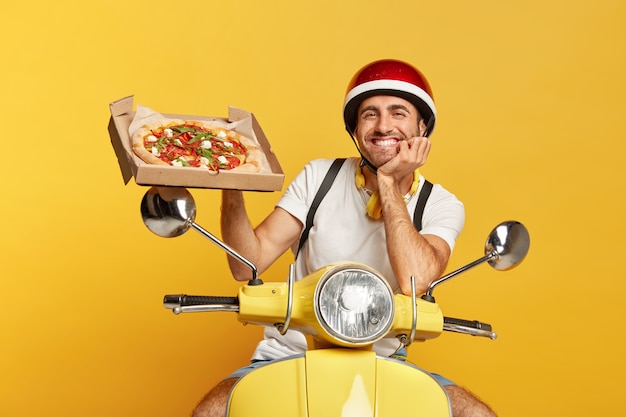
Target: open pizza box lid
269,179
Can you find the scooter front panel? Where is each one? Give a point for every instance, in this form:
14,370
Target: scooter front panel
405,389
338,382
341,382
277,390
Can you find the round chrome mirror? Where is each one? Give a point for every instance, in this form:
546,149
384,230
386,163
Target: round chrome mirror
168,211
509,242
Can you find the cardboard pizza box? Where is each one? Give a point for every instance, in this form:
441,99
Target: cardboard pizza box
131,165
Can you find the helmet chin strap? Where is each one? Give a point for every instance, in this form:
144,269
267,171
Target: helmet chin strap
364,160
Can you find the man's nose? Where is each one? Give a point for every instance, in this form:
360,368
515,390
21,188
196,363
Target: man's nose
385,123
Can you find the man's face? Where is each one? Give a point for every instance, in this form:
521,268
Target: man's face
384,121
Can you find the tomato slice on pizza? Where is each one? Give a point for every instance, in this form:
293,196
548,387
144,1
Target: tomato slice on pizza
196,144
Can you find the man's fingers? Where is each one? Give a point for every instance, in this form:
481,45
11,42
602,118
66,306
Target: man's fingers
418,147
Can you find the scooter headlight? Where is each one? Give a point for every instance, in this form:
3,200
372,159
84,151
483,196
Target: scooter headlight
354,304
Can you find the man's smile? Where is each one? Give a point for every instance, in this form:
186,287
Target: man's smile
385,142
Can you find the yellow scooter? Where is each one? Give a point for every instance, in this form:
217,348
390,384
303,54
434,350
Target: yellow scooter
343,309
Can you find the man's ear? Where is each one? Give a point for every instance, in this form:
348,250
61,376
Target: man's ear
421,127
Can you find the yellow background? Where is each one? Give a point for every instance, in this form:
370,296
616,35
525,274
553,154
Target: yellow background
531,108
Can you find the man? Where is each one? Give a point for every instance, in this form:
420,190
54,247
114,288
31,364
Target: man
366,215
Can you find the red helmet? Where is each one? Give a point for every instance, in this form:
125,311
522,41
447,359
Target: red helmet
392,78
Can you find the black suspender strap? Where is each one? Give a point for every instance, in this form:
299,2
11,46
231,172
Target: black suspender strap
421,203
321,193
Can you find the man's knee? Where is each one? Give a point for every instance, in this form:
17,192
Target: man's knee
466,404
213,404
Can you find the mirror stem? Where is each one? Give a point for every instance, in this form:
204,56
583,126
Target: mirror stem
255,280
429,293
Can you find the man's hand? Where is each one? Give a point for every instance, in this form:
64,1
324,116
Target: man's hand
412,154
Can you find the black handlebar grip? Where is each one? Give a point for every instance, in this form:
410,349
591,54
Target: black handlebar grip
467,323
183,300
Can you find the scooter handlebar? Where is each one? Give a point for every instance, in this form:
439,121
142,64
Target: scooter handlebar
472,327
182,303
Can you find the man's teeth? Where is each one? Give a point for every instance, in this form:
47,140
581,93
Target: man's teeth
385,142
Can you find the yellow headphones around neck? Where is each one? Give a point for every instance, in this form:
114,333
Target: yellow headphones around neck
373,208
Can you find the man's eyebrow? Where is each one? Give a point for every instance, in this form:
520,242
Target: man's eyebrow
368,108
398,107
390,107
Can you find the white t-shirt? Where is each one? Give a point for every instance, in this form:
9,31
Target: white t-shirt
342,231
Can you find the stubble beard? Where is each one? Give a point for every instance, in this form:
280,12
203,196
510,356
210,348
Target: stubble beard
379,156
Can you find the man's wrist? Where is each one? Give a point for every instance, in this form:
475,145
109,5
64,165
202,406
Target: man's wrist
231,198
386,182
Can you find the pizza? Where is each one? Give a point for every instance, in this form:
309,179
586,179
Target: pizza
197,144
